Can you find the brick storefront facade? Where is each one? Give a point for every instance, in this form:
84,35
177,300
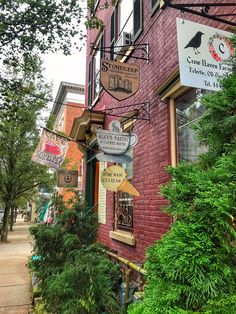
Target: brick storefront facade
152,154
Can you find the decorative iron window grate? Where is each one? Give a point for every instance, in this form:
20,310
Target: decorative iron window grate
124,211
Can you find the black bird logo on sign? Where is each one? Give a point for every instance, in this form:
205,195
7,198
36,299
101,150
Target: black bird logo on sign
195,42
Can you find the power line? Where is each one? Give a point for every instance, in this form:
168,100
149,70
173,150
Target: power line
42,98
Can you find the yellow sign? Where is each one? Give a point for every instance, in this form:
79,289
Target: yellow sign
114,179
120,80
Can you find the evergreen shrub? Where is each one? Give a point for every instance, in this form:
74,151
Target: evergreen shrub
192,269
75,275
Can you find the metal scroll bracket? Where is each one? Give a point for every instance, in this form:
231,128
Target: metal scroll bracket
204,10
122,50
139,111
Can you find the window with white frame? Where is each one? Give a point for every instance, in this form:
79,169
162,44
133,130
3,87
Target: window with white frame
94,71
154,5
126,23
188,112
126,16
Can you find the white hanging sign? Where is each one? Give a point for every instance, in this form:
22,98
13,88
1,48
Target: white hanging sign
114,143
203,54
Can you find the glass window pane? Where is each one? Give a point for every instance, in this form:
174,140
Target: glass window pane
126,16
97,58
155,3
188,111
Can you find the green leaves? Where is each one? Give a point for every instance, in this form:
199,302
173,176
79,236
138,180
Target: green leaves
42,25
192,268
72,269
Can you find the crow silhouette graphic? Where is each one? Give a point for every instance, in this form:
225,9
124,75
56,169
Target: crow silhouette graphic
195,42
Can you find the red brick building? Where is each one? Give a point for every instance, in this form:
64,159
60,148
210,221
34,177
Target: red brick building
68,105
163,140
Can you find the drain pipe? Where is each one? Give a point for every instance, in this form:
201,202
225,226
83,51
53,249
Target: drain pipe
132,265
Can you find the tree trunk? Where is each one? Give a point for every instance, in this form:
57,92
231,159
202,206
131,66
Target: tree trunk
15,215
5,224
12,218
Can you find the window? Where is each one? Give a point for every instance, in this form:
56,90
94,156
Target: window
126,23
124,202
188,111
92,5
123,206
154,5
126,16
94,72
185,110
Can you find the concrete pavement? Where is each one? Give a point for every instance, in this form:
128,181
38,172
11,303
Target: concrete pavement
14,275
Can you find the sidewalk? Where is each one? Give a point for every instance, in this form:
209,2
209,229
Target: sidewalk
14,275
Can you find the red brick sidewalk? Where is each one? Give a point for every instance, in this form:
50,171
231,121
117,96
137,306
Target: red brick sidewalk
14,275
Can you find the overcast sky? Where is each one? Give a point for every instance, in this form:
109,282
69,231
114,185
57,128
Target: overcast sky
60,68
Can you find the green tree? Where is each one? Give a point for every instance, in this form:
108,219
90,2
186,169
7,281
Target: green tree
192,268
46,25
21,99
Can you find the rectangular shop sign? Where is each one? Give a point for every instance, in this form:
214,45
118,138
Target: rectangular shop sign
67,178
51,149
203,54
120,80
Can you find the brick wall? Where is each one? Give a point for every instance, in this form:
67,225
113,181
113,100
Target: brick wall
74,155
152,153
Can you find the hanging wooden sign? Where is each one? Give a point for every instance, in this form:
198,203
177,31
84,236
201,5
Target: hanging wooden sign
67,178
120,80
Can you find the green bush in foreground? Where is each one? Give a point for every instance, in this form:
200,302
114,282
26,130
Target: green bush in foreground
75,274
86,285
192,269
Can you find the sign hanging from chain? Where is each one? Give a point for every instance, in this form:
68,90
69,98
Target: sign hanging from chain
114,179
51,149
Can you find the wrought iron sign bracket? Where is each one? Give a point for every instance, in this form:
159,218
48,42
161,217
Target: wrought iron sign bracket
144,48
141,111
205,9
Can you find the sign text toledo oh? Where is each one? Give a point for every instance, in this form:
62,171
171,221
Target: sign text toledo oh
203,54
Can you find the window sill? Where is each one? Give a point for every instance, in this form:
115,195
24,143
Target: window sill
122,236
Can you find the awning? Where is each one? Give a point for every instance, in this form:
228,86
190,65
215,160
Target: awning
83,124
